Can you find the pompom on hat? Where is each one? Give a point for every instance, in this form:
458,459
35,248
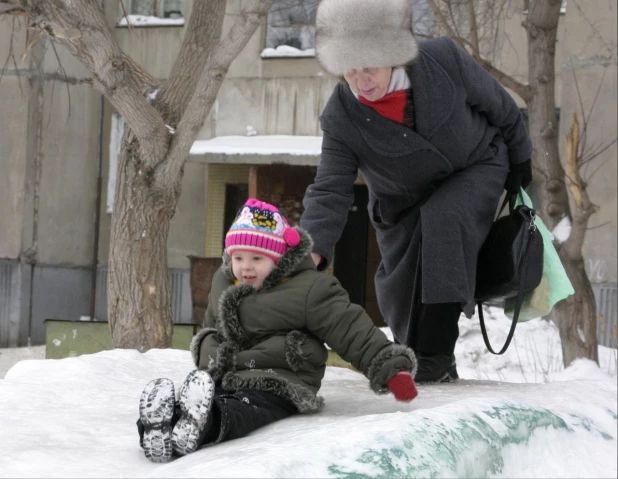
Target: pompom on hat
364,34
260,228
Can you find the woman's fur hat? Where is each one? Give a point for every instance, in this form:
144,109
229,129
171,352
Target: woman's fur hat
363,34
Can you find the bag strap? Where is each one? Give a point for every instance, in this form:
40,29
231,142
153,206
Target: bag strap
518,301
510,199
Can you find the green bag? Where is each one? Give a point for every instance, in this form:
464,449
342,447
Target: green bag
555,284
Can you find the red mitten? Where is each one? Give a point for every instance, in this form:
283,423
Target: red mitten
402,386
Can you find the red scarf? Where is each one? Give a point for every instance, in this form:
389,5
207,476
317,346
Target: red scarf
391,105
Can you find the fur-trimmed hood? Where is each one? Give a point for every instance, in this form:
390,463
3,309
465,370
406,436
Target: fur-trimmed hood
364,33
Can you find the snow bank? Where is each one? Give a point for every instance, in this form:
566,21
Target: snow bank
75,417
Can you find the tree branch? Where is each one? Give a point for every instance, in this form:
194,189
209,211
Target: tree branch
206,90
584,208
524,91
445,24
506,80
203,33
474,31
81,27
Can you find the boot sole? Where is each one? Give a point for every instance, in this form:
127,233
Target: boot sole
156,409
447,378
195,400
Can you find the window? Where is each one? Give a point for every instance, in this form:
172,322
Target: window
115,143
153,12
423,22
563,7
156,8
290,28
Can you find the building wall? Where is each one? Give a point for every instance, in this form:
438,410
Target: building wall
590,66
15,98
49,149
273,106
512,50
13,134
276,96
48,156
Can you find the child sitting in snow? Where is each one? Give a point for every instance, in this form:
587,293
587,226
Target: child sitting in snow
261,355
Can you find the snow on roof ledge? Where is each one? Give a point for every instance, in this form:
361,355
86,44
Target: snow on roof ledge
260,145
283,51
149,21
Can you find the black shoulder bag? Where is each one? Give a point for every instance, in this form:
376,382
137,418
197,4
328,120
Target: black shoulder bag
510,263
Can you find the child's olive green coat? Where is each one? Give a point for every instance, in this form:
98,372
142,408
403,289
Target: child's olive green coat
273,339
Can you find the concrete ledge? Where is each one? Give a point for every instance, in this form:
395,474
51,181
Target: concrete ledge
256,159
64,338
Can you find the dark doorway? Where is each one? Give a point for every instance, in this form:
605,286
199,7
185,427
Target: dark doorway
373,261
350,265
235,196
357,256
283,186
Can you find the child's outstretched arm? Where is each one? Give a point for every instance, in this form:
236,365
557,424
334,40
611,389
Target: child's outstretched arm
349,330
402,386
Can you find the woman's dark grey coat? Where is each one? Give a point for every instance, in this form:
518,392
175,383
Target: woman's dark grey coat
438,186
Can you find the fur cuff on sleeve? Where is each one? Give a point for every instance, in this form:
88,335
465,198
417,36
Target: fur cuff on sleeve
196,343
376,371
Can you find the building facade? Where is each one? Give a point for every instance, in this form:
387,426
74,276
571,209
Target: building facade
58,137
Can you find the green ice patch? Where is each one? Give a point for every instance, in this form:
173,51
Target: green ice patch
470,446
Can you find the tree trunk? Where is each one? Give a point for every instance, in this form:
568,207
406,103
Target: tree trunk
542,28
154,151
575,316
140,313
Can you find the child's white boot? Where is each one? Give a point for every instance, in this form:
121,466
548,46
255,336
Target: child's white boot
156,410
195,401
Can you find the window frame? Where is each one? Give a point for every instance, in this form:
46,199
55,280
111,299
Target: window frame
285,50
563,7
160,19
117,129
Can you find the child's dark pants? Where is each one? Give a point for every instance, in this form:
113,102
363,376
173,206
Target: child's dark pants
234,415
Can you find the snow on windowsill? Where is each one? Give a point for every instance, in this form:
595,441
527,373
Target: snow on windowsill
260,145
149,21
286,51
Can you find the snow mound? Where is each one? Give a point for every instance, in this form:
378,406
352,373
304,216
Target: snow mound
75,417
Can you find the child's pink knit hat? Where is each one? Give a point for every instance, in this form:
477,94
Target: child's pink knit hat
260,228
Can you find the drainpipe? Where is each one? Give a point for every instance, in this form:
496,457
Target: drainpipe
97,214
34,154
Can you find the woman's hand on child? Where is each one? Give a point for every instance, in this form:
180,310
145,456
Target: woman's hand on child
402,386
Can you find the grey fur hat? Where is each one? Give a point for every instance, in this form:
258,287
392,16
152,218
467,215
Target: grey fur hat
364,34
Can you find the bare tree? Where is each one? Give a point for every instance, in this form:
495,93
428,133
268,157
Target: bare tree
163,121
578,156
475,26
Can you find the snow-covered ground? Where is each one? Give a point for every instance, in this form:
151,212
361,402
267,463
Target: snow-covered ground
11,356
517,415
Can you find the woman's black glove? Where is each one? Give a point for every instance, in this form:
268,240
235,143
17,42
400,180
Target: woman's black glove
520,175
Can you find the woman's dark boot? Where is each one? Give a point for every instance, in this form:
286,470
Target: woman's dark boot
195,400
439,368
